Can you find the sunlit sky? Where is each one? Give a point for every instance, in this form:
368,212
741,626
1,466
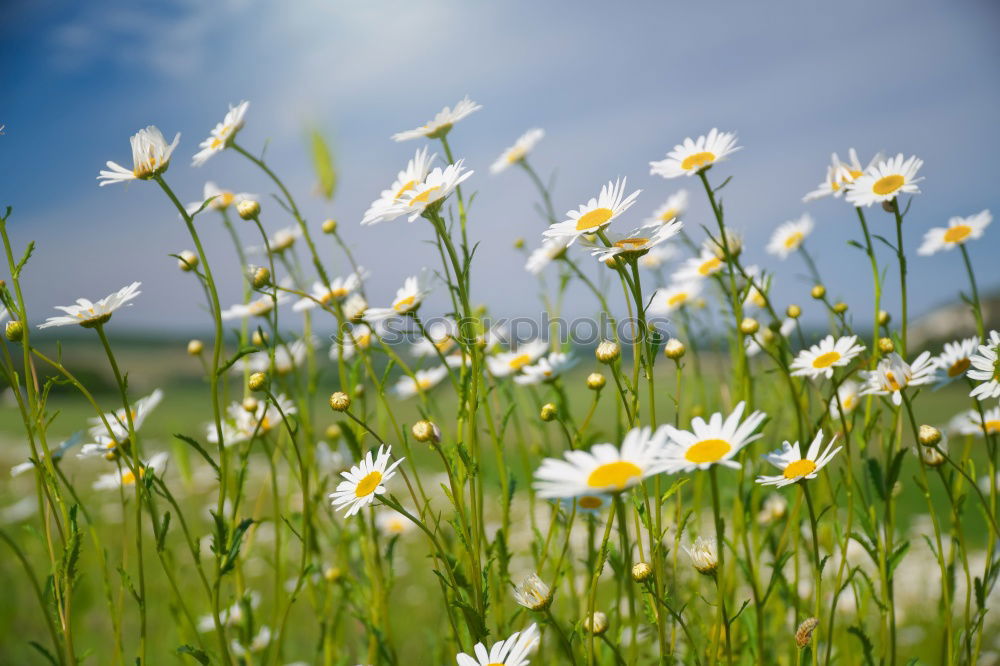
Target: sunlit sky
614,85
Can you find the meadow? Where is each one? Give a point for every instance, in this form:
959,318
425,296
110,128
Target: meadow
333,476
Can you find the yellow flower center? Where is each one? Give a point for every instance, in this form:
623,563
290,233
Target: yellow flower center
367,485
128,478
793,240
404,304
697,161
799,468
395,526
710,266
959,367
614,475
404,189
225,199
631,243
677,299
589,502
888,184
707,451
826,360
992,427
849,401
957,233
668,215
424,384
216,143
425,196
516,155
594,218
891,382
519,362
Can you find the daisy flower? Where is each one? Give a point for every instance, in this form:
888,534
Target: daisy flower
358,337
516,153
551,249
231,616
885,181
392,523
822,358
669,299
796,467
893,374
287,357
635,243
440,339
955,359
693,156
532,593
223,134
421,382
673,209
986,369
849,398
438,185
756,298
408,299
840,175
126,477
90,315
218,199
106,442
150,157
507,363
364,481
959,230
605,468
442,122
281,240
338,289
703,555
789,236
546,369
241,425
260,307
595,215
971,423
657,256
711,443
257,643
512,652
698,268
406,181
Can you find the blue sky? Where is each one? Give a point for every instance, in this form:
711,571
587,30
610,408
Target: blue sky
614,85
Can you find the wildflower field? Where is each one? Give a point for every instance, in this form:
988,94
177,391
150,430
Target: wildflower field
335,475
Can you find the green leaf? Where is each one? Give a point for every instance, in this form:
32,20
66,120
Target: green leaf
322,158
193,443
194,653
239,354
45,653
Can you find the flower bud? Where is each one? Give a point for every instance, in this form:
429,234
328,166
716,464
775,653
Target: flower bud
749,326
805,631
257,381
518,243
259,338
929,435
818,292
674,349
248,209
359,390
426,431
886,345
340,402
260,277
548,412
608,351
533,593
596,624
703,556
718,247
641,572
329,226
332,574
840,307
793,311
931,456
14,330
333,431
195,347
596,381
187,260
884,318
889,206
250,404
